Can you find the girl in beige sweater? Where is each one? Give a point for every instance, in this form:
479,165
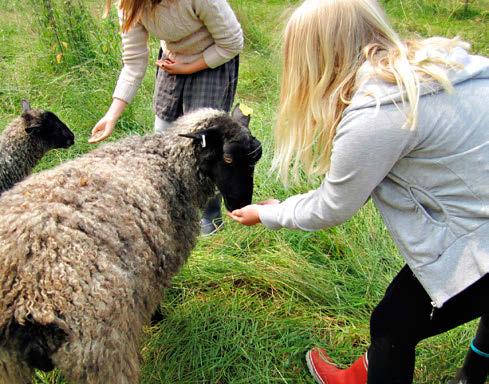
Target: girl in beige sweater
197,65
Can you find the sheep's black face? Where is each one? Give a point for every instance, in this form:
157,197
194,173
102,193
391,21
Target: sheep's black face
55,132
228,156
233,173
47,127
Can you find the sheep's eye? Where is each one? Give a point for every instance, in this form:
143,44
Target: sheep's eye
227,158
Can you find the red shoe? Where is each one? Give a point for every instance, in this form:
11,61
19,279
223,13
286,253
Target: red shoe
324,371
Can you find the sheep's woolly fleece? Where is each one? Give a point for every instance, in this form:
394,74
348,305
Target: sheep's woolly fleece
90,245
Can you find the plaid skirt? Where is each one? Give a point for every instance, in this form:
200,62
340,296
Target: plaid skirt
176,95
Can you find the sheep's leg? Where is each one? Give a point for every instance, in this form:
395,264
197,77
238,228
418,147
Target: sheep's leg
121,370
115,370
109,359
14,371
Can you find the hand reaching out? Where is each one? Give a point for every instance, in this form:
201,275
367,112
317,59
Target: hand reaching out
102,130
249,215
106,124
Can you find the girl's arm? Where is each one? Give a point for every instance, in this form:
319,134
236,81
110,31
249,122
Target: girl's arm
135,56
221,22
365,149
176,68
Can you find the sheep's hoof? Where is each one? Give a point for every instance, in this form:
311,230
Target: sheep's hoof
209,227
157,316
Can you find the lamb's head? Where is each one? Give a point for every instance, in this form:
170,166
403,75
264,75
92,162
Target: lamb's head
46,128
228,154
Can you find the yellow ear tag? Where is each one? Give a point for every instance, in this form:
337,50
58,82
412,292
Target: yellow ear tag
245,110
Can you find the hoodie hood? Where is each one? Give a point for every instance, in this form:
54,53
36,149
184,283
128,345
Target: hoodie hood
375,92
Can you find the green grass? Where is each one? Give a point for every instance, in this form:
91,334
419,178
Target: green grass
250,302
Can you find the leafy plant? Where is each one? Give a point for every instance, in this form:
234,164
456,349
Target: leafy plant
71,35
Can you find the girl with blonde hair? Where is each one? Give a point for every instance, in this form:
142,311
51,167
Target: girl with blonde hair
197,66
406,123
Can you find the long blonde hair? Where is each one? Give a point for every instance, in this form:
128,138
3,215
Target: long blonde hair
325,43
132,10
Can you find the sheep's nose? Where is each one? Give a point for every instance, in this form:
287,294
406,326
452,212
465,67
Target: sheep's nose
69,142
235,203
70,139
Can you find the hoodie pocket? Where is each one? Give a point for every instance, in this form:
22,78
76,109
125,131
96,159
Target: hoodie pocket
429,205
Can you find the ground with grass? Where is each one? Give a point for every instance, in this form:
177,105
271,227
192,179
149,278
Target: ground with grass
250,302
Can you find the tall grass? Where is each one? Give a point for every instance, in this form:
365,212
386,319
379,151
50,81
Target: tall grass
250,302
73,36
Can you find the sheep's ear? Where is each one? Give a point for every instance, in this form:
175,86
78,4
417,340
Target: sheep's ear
242,114
33,129
26,106
205,136
194,136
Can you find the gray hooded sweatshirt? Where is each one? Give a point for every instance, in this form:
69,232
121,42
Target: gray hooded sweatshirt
430,184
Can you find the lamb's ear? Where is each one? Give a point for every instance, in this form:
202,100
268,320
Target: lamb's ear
33,129
242,115
26,106
206,137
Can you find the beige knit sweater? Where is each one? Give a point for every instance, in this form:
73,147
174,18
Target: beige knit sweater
188,30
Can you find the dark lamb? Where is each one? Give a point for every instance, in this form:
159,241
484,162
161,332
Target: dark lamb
26,140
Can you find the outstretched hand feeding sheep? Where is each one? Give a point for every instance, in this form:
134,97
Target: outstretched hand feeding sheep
87,247
26,140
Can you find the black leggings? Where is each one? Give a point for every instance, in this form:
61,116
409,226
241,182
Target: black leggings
405,316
